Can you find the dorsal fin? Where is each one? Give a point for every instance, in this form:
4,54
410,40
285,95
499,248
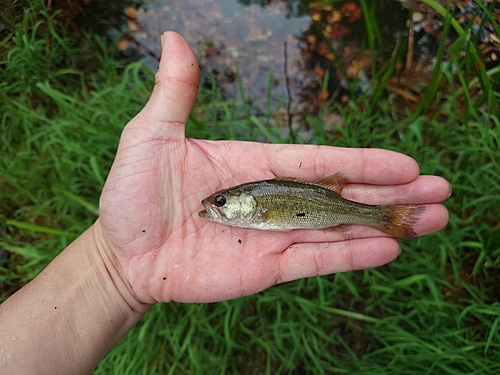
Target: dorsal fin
335,182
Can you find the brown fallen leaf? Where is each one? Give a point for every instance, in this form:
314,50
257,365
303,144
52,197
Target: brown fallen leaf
131,12
123,44
133,25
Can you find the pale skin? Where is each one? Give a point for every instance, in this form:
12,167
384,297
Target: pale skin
149,244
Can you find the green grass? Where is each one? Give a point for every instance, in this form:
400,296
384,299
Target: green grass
435,310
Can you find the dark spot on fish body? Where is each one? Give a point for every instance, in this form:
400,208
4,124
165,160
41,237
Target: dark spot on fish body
164,278
240,241
301,214
143,231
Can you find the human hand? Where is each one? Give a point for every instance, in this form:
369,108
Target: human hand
150,203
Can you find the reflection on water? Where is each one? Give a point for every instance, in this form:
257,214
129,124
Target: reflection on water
228,37
327,47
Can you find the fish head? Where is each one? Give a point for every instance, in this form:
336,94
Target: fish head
233,207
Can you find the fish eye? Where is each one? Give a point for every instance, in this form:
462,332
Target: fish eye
220,200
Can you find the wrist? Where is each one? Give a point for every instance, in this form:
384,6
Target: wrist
112,272
71,314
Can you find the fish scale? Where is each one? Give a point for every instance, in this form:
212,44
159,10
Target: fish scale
283,202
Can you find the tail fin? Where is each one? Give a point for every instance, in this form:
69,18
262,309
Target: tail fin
399,220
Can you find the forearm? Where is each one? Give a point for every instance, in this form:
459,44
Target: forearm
69,316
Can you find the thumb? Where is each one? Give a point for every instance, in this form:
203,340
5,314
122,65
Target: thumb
176,87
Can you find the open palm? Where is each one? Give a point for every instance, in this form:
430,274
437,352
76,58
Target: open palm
150,203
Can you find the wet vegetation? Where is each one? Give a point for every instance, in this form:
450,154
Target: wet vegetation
65,96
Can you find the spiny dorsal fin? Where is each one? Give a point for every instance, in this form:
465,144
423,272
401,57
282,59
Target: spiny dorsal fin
335,182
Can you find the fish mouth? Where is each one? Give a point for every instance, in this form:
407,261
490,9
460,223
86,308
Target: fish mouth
210,213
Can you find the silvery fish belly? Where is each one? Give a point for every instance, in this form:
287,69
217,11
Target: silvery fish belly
288,203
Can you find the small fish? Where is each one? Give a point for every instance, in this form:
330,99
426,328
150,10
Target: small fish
287,203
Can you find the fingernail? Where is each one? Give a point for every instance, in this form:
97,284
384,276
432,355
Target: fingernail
449,195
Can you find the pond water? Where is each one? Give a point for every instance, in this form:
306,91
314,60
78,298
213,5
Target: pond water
285,48
230,38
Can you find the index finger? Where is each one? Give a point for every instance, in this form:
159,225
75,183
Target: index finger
362,165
